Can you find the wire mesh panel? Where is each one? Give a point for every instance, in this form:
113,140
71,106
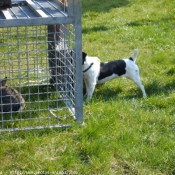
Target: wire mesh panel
39,82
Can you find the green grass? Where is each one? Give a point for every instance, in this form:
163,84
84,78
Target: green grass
123,133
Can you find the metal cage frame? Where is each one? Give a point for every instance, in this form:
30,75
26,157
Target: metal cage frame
60,57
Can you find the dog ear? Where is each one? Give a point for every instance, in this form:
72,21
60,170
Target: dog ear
84,57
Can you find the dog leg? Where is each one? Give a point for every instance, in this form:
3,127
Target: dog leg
89,89
137,81
134,75
142,89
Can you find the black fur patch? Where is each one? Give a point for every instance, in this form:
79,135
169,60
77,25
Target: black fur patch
112,67
131,59
83,57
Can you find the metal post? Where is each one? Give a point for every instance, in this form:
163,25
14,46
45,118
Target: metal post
78,73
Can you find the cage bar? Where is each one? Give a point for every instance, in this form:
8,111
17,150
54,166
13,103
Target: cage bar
40,54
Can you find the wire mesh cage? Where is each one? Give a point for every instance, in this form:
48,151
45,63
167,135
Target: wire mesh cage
40,65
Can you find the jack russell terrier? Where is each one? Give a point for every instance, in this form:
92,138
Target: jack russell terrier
97,72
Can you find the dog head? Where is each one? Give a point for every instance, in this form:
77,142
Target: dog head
83,57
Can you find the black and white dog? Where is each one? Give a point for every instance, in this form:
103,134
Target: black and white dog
97,72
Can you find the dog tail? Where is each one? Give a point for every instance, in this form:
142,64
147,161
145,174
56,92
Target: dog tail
134,55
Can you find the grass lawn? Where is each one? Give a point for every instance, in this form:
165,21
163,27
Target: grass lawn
124,133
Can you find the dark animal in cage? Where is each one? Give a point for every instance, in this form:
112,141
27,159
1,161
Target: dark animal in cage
10,99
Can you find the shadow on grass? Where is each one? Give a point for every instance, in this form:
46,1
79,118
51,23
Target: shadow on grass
108,94
169,86
102,5
143,22
94,29
156,88
43,92
153,88
149,22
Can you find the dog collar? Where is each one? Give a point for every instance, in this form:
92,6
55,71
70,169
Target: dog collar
88,68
